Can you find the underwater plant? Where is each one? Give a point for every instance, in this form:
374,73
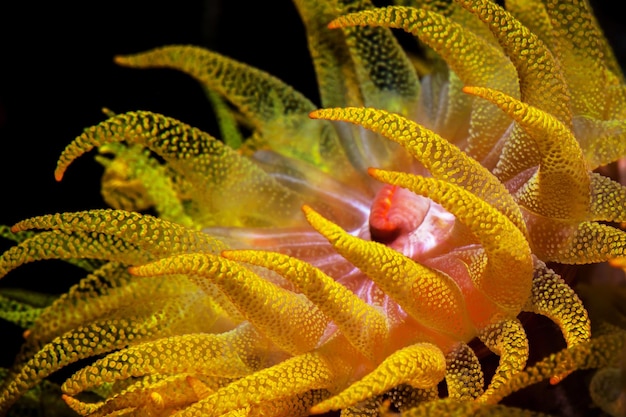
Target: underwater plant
346,257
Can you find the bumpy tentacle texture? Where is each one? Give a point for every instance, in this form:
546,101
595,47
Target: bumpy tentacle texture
363,257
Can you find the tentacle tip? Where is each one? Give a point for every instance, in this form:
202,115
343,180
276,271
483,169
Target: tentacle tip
316,409
307,210
315,114
69,400
558,378
335,24
471,90
315,219
136,270
376,173
58,174
618,262
120,59
228,253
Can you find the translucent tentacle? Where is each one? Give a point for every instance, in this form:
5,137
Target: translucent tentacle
553,298
507,285
211,167
430,297
444,160
421,365
58,245
608,199
331,58
594,76
362,324
591,243
259,95
135,180
599,352
386,77
560,188
80,343
109,292
293,376
603,141
226,355
278,313
487,66
464,375
508,340
166,395
226,120
541,82
274,108
159,237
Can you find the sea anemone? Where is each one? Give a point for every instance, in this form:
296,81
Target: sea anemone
347,257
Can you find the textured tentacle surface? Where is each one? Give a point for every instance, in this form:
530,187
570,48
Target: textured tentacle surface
479,69
416,288
228,355
549,291
444,160
362,324
278,313
507,339
541,81
464,376
560,189
507,285
421,366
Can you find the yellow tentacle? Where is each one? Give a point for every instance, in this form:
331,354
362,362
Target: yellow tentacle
362,324
506,279
279,314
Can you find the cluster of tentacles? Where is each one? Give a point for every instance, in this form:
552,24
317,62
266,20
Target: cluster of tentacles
344,258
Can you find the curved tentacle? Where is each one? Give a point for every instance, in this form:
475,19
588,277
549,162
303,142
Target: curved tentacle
421,365
56,244
487,66
541,81
293,377
362,324
560,189
213,168
508,340
82,342
553,298
430,297
228,355
240,83
599,352
464,375
278,313
507,285
275,109
444,160
157,236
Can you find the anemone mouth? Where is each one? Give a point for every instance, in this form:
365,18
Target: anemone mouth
409,223
395,213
